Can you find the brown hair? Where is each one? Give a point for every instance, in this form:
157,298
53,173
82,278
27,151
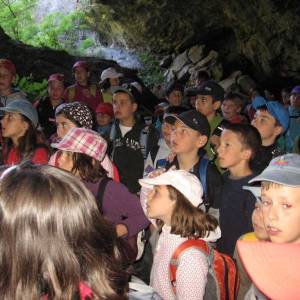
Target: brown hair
52,237
187,220
266,185
88,168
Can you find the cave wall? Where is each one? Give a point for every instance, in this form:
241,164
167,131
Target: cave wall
260,36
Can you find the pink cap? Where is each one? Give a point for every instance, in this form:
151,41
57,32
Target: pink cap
81,64
105,108
273,267
56,77
8,64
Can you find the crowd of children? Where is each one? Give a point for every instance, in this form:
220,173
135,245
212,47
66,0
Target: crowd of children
89,183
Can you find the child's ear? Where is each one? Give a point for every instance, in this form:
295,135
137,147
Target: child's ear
246,154
202,140
135,107
216,105
278,130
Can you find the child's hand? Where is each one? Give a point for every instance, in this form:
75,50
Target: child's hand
156,172
171,157
215,141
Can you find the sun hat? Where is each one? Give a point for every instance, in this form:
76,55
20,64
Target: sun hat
192,119
24,108
110,73
273,267
284,169
276,109
83,140
8,64
185,182
211,88
56,77
77,112
105,108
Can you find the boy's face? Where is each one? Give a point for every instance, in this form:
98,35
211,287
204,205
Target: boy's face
231,152
265,123
175,98
123,106
281,210
114,81
103,119
206,105
6,80
81,75
229,109
295,100
185,139
56,90
258,223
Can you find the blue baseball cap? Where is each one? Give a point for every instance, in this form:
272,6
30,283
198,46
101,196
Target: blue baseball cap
277,110
24,108
284,169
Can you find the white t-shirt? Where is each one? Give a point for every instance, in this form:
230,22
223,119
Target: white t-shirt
124,129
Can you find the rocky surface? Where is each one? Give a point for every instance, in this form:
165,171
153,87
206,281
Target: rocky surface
258,37
41,62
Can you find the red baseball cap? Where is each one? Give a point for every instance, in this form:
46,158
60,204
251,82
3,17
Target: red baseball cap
8,64
105,108
56,77
81,64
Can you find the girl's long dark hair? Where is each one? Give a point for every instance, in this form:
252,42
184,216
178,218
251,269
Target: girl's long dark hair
52,237
27,143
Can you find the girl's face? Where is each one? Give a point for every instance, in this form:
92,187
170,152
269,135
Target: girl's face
13,125
159,204
63,125
258,223
65,160
114,81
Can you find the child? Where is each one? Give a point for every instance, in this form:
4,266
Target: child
19,130
57,244
73,115
158,156
232,107
280,194
83,91
294,114
7,77
109,78
209,98
188,138
174,201
259,234
81,153
174,94
239,144
47,105
105,117
131,140
271,119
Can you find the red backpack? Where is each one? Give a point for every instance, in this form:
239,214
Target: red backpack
223,279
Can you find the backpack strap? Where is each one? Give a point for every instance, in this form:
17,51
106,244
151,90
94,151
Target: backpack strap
100,193
198,244
203,175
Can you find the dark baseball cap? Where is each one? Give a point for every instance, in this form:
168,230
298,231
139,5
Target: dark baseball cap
194,120
211,88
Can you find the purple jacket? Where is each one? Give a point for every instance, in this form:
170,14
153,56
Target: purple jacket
119,206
